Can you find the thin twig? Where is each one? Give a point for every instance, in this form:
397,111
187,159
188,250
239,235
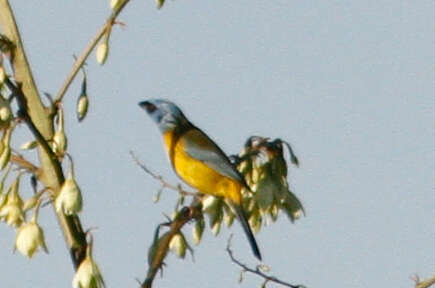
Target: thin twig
23,163
257,271
160,178
88,49
423,284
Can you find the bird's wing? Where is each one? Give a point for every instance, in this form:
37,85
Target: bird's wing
199,146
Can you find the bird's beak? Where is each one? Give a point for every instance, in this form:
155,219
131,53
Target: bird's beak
147,106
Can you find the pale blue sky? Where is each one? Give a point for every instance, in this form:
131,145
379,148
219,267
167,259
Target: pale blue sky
349,84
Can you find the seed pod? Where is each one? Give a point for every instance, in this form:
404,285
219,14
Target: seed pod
88,274
2,75
30,236
5,113
102,52
178,245
12,211
209,203
114,4
82,107
216,228
255,221
83,101
60,141
160,3
228,216
255,174
198,230
273,212
69,200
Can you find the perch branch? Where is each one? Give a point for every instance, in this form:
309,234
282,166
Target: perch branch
161,244
160,178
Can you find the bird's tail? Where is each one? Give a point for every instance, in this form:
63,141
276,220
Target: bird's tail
245,224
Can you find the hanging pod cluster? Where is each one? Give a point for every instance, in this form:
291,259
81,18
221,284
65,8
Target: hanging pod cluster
264,168
263,165
30,236
11,210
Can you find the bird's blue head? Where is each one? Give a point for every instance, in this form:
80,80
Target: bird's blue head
166,114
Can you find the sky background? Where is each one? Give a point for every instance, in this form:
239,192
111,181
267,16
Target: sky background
350,84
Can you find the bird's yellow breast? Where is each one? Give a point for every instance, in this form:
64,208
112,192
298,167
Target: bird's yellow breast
197,174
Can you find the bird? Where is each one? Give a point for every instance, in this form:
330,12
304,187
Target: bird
199,161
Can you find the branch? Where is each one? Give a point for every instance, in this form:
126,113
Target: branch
23,112
88,49
423,284
160,178
160,246
22,71
257,271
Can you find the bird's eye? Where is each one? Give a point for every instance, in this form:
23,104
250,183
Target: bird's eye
151,107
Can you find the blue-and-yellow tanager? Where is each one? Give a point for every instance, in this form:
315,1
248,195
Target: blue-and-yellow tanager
198,160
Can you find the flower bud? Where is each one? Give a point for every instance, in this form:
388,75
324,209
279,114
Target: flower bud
255,174
83,101
255,221
59,143
178,245
59,138
12,211
5,114
88,274
273,212
2,75
160,3
216,228
114,4
228,218
209,203
198,230
82,107
29,238
69,199
102,52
